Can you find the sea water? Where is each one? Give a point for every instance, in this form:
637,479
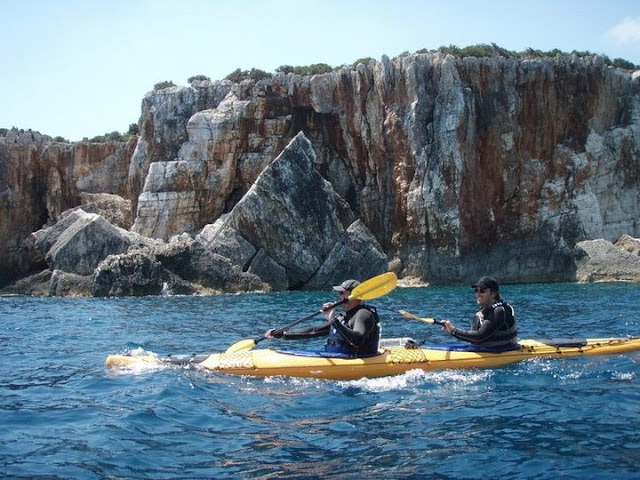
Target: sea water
64,415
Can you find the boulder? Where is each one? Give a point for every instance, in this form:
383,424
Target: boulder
135,273
628,244
79,242
193,261
115,209
291,216
600,260
36,284
63,284
356,254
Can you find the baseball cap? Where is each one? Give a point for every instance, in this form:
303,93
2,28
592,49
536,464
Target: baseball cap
486,282
347,285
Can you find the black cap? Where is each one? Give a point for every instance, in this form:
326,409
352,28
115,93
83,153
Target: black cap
486,282
346,286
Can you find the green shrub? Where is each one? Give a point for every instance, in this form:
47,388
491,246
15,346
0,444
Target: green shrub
621,63
239,75
493,50
114,136
302,70
162,85
485,50
553,53
257,74
133,129
284,69
108,137
585,53
236,76
198,78
364,61
450,50
317,69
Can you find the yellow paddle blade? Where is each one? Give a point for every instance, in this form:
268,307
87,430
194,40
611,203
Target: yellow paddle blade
375,287
242,345
431,321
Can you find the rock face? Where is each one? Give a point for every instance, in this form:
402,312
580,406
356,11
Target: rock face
449,167
40,179
296,228
453,164
268,241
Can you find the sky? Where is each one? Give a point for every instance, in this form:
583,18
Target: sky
80,68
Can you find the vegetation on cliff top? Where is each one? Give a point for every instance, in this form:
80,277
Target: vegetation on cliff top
493,50
115,136
481,50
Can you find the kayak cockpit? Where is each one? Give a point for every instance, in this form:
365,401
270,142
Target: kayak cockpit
323,354
406,343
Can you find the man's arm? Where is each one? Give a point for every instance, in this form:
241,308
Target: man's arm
311,332
486,330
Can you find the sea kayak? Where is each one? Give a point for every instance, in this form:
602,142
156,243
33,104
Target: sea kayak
391,360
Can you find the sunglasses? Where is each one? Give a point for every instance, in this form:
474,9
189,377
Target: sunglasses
479,290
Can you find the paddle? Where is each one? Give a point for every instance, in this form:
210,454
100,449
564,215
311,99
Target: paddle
430,321
373,288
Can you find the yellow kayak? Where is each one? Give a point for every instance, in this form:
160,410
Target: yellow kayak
392,360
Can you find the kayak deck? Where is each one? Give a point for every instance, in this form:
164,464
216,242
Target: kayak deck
394,360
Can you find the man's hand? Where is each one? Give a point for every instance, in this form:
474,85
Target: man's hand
447,325
273,333
329,311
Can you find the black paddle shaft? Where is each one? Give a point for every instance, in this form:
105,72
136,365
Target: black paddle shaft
300,320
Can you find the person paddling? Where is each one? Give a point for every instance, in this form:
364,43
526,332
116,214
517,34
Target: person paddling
355,332
494,325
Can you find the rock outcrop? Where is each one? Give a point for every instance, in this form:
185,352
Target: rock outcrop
269,241
449,167
293,222
603,261
40,179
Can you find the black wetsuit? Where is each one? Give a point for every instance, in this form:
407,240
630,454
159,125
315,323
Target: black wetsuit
354,332
494,326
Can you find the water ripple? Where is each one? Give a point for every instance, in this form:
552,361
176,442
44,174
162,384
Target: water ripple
63,415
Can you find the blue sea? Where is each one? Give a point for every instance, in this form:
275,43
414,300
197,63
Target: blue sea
63,415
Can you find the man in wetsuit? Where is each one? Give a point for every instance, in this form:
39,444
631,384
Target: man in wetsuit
494,325
354,332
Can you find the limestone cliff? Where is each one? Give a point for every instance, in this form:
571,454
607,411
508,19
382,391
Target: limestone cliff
40,179
457,166
453,164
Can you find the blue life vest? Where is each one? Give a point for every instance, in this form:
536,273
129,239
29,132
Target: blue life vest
337,343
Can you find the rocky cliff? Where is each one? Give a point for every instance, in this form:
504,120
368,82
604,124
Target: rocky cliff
453,166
